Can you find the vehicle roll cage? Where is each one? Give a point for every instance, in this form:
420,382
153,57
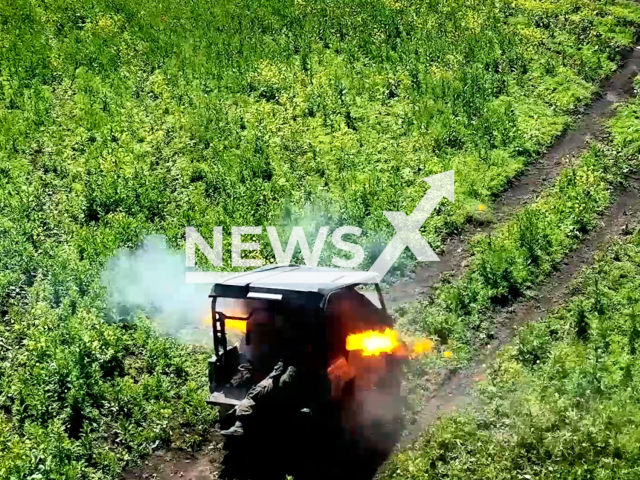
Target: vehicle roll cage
219,318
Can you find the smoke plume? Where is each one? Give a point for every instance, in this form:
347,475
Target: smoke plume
151,279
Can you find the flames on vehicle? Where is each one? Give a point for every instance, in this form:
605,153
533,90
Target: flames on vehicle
368,343
233,326
376,342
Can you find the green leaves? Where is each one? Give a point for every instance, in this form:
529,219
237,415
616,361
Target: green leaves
559,403
85,377
122,119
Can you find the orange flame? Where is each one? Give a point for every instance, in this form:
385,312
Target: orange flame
421,346
235,326
374,342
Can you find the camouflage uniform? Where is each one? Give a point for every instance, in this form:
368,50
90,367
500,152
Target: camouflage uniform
280,378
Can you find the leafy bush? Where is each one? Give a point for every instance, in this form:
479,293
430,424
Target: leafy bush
559,403
120,119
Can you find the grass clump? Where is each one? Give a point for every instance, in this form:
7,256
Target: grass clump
518,255
562,401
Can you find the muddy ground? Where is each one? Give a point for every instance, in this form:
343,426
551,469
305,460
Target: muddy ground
180,464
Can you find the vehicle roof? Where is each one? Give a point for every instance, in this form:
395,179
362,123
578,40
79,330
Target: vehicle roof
279,279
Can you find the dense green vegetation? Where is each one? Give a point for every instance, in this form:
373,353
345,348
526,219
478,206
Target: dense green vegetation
562,402
123,118
525,250
131,118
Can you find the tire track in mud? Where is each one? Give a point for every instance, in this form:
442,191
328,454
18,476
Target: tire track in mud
536,177
622,219
181,464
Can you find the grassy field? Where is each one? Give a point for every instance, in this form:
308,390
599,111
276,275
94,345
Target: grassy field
562,401
120,119
518,255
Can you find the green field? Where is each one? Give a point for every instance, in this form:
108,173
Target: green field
122,118
561,402
519,254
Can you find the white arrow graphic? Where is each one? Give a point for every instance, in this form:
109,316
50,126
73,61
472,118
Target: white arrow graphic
408,227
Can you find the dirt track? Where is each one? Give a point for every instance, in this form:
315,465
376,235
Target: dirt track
453,389
454,392
528,186
173,465
622,219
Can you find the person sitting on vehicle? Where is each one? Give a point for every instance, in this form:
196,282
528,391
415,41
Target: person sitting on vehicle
270,341
309,366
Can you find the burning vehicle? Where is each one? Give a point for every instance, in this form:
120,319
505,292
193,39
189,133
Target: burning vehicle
344,401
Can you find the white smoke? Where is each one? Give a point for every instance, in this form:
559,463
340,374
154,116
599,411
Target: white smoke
151,279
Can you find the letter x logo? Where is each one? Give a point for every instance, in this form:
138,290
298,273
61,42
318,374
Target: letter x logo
408,226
